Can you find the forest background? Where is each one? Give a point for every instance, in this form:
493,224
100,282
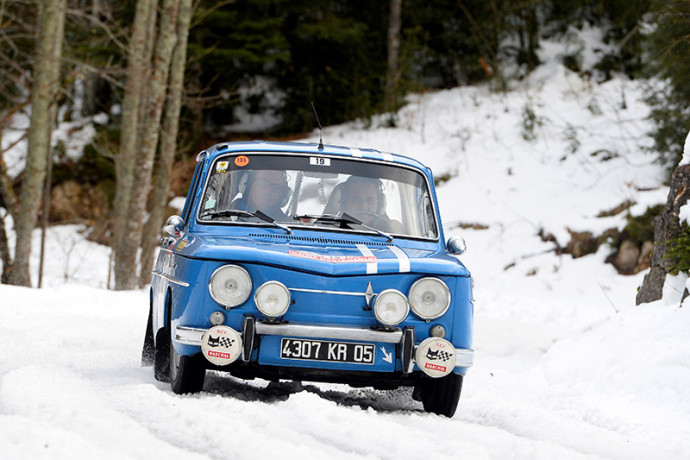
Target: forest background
160,80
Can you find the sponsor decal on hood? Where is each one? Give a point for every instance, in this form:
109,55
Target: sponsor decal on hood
331,258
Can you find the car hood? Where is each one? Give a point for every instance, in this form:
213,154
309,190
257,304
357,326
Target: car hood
329,256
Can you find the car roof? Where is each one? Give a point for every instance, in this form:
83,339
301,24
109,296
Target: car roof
313,148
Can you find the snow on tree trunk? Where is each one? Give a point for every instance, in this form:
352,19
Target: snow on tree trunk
43,95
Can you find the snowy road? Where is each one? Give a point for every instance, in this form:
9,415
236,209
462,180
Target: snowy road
71,387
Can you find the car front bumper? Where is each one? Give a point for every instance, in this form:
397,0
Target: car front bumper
403,337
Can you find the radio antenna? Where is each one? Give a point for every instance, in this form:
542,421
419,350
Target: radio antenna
320,128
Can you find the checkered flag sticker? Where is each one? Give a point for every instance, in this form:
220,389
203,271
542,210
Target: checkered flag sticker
438,355
225,342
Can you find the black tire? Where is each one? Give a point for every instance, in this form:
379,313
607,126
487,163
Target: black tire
148,350
187,373
440,396
161,357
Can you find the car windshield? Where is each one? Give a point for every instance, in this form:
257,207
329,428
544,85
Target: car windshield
306,191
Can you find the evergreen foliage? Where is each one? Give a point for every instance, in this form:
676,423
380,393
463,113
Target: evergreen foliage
670,44
338,60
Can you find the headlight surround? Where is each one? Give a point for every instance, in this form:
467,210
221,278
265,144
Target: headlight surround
391,307
230,285
272,299
429,298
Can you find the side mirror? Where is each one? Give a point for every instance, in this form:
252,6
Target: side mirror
456,245
173,226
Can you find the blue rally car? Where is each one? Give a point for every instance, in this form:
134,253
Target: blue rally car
311,262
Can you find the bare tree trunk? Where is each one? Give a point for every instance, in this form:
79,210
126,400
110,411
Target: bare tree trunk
43,95
168,145
10,200
124,162
47,187
390,97
4,253
6,190
165,43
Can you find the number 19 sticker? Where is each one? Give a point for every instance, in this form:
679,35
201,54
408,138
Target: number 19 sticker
319,161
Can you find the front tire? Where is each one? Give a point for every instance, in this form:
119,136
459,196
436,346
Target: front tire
440,396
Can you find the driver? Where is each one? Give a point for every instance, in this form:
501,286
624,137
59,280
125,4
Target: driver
266,191
363,198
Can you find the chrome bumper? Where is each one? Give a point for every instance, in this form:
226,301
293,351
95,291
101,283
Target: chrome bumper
465,357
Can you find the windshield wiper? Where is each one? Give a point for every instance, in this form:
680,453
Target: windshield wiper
242,213
227,213
265,217
343,219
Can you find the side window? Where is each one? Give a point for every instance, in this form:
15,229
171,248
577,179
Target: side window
213,195
428,212
192,189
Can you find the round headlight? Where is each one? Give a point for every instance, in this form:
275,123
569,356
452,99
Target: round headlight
429,298
230,285
391,307
272,299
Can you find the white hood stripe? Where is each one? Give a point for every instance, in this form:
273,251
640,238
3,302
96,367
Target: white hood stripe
403,260
372,267
356,152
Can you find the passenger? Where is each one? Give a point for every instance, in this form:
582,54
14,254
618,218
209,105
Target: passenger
364,199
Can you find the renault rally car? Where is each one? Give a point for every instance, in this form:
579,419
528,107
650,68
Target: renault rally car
311,262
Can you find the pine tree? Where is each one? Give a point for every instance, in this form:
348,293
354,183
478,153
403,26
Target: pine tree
670,43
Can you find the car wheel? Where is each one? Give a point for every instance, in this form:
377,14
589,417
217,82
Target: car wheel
148,351
186,373
440,396
161,356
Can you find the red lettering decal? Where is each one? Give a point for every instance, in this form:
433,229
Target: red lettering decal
218,354
435,367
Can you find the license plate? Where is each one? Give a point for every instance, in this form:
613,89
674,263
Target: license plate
319,350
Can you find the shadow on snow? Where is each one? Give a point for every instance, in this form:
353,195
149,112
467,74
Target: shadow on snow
271,392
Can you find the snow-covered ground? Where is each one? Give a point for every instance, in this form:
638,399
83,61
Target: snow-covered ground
566,366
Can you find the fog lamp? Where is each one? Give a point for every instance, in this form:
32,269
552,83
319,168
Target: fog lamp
391,307
217,318
438,331
272,299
